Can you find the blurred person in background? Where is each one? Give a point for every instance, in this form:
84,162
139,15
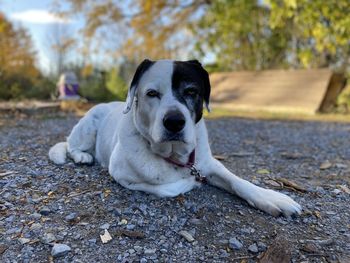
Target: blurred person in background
68,87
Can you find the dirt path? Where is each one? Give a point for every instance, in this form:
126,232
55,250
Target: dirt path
42,204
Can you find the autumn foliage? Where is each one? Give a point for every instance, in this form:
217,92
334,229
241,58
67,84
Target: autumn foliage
19,76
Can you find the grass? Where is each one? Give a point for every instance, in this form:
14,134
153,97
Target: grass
283,116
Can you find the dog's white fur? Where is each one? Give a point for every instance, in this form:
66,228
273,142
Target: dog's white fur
134,152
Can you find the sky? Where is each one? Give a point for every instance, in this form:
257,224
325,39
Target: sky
37,18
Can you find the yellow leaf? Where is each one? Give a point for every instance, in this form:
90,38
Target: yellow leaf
263,171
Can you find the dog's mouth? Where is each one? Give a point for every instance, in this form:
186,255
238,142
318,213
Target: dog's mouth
173,137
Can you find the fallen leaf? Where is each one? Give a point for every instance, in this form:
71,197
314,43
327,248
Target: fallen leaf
129,233
273,183
107,192
325,165
3,248
75,194
290,184
278,252
317,214
263,171
180,198
310,248
292,156
344,188
106,237
220,157
241,154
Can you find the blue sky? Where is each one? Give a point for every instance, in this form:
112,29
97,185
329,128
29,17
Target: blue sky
37,18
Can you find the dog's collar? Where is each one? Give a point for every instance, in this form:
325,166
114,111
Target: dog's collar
190,165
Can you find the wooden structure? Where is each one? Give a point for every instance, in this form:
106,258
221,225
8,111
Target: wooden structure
301,91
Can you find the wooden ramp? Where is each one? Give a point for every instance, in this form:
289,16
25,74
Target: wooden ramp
302,91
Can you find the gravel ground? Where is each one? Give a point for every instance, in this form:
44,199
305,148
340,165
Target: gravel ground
57,213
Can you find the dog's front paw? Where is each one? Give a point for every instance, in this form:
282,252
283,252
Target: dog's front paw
274,203
82,157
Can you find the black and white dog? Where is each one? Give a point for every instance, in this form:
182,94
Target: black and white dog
157,141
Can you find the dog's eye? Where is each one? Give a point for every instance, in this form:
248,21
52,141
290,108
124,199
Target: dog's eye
191,91
152,93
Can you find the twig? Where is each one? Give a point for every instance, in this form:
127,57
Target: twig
4,174
243,257
315,255
77,194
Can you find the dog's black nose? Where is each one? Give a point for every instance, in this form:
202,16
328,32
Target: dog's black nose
174,121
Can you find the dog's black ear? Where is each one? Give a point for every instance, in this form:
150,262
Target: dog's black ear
206,81
141,69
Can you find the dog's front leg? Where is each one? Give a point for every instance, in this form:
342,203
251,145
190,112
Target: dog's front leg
267,200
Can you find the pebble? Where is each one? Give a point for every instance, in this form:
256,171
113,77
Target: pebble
130,227
24,240
253,248
71,217
233,243
336,191
248,230
105,226
186,235
36,226
48,238
138,249
14,230
59,250
36,216
262,246
150,251
92,240
195,221
45,211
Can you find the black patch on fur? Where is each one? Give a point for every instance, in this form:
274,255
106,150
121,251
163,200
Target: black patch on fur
191,72
141,69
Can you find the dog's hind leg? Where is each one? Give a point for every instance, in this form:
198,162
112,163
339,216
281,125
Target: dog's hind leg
82,139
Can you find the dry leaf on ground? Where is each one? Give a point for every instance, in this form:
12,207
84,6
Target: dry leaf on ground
289,184
292,156
273,183
344,188
263,171
220,157
129,233
278,252
3,248
325,165
241,154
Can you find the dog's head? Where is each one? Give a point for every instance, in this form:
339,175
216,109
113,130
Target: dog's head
168,99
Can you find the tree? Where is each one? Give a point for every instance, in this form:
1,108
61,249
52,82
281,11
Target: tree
116,85
60,44
17,61
321,29
240,34
145,28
